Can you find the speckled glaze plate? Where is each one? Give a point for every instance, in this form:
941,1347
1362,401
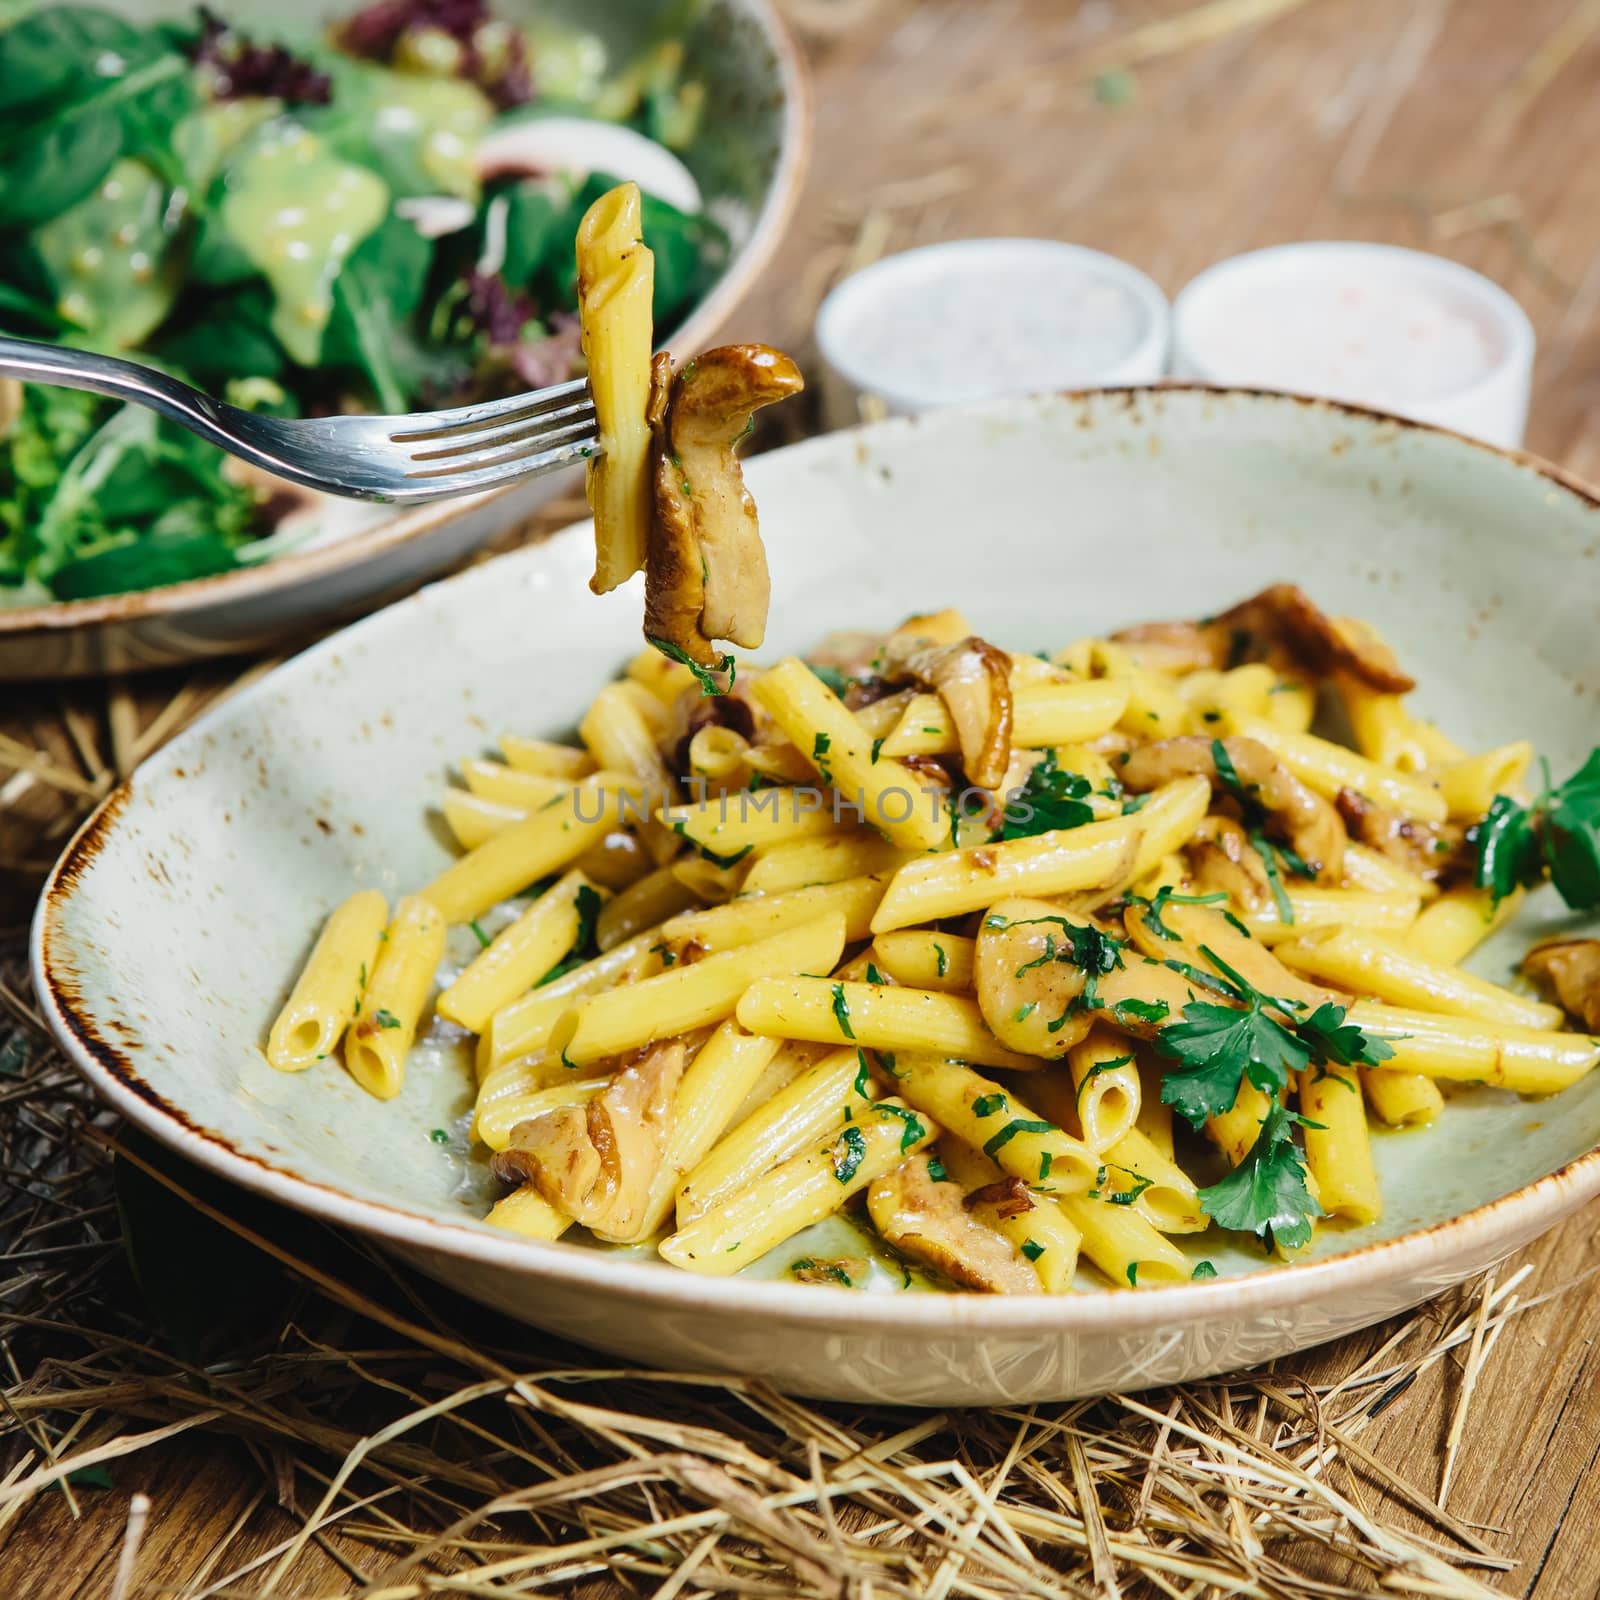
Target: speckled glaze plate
749,157
175,922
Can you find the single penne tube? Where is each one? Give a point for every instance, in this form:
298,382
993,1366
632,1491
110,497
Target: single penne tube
386,1021
1470,1050
804,863
1450,929
691,995
823,1096
1470,784
750,917
1327,767
1373,872
803,1190
1390,912
1097,854
518,956
922,959
1292,705
1123,1245
1338,1146
717,757
1105,1087
1155,1119
1140,1175
550,760
1383,729
1234,1131
1401,1099
499,1110
877,1016
731,827
649,706
1388,971
1439,747
494,780
1042,715
643,904
888,796
472,819
1245,689
665,678
713,1087
1155,709
328,990
527,1212
995,1121
1033,1222
616,734
524,1026
544,842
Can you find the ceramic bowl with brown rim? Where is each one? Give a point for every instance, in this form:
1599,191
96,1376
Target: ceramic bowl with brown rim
748,158
1046,520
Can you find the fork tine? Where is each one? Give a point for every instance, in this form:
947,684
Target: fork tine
436,424
466,440
439,486
580,435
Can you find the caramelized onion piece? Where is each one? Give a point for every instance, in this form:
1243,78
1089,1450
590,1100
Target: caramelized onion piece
929,1220
1301,817
973,679
1570,970
706,570
596,1162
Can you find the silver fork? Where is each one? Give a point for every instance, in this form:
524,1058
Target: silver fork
427,455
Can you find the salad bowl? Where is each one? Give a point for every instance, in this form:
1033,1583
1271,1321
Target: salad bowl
741,144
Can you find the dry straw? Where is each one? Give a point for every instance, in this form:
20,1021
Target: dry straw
419,1447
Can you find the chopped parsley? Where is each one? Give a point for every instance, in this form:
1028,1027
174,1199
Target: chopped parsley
439,1136
914,1130
1164,897
1126,1197
1045,1160
669,956
1227,773
987,1104
841,1012
877,745
704,676
863,1076
1023,1012
936,1170
1266,1193
1032,1249
1133,1274
1012,1129
483,939
819,750
588,902
835,679
1202,1269
1148,1011
1269,861
1095,1071
874,976
942,959
847,1160
386,1019
1559,834
1049,799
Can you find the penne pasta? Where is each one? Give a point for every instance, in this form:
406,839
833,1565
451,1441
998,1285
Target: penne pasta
1338,1149
390,1008
804,863
1043,716
328,991
750,917
922,960
550,760
1470,1050
1458,922
527,1212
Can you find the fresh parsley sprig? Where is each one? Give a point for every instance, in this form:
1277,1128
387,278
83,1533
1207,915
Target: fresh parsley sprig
1050,798
1266,1194
1559,834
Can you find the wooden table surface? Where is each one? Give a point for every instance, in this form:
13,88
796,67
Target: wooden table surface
1465,128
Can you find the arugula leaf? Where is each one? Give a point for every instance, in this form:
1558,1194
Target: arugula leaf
1266,1193
703,675
1049,799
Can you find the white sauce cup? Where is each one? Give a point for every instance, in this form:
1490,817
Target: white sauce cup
975,319
1371,324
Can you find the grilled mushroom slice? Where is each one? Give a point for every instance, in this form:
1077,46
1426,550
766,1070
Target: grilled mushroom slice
705,570
1570,970
973,679
1432,850
929,1219
596,1161
1302,818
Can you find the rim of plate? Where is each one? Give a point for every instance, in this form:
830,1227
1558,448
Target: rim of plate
1276,1287
783,194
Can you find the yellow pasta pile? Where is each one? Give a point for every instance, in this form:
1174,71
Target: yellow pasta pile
780,953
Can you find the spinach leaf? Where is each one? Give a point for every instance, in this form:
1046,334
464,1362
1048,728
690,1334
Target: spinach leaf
375,300
78,88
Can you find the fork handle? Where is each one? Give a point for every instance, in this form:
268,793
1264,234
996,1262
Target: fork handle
67,368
